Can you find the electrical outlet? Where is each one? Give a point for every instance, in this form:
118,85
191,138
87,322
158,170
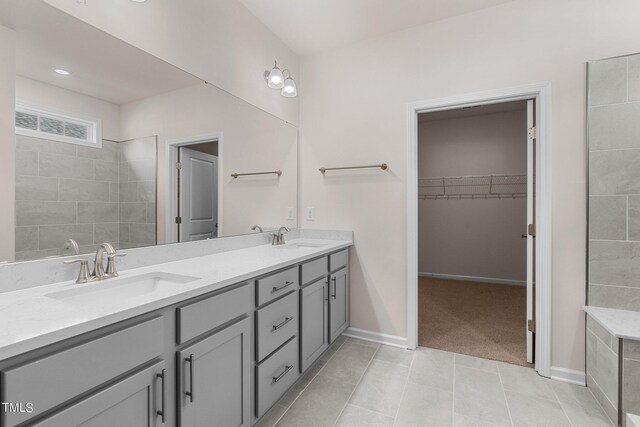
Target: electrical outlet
311,213
291,213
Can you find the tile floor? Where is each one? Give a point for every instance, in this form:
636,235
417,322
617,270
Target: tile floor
358,383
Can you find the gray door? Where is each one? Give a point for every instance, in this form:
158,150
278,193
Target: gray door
214,384
315,324
338,303
132,402
198,195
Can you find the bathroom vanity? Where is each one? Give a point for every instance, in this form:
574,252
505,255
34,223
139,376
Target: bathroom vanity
210,340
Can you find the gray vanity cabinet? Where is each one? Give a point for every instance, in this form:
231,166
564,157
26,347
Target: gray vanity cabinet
338,303
314,318
214,379
136,401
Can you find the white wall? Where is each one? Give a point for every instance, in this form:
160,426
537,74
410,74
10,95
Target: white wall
46,95
252,141
7,143
478,237
219,41
363,119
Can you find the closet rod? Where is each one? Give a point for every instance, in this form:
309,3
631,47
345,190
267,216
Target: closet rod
382,166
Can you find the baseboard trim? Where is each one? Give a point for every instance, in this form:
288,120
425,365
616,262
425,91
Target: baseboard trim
475,279
568,375
391,340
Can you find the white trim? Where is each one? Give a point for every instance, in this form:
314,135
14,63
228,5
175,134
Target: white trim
568,376
171,208
540,92
391,340
475,279
94,124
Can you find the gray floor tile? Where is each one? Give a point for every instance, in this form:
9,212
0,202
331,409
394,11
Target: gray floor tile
586,416
349,362
479,394
381,387
395,355
432,367
354,416
272,416
525,381
363,342
476,363
530,411
464,421
423,405
319,405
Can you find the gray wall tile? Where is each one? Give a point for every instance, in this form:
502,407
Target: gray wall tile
96,212
608,217
614,126
30,255
45,213
631,387
634,217
26,239
138,149
123,172
54,236
124,229
110,152
128,191
608,81
106,233
600,332
105,171
133,212
65,166
26,162
605,403
634,78
614,263
151,213
614,172
614,297
146,191
36,188
44,145
114,192
142,170
632,350
84,190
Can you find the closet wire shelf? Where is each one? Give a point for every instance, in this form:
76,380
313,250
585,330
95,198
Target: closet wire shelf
473,187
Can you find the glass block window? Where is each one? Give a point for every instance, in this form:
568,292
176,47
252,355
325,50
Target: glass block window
59,126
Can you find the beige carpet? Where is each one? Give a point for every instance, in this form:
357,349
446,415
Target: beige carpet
479,319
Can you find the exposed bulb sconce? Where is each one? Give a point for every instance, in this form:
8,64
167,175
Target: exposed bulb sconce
276,80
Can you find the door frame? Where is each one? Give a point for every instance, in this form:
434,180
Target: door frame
542,94
172,157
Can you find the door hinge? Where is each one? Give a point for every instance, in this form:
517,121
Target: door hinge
533,132
178,165
178,220
531,230
531,326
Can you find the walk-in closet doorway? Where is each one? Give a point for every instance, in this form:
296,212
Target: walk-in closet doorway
478,169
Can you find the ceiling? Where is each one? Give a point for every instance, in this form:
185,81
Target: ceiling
312,26
101,65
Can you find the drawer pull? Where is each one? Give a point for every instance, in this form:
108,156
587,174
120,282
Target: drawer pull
164,399
286,370
190,392
281,324
279,288
333,293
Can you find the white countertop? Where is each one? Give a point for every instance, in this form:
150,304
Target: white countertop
30,319
620,323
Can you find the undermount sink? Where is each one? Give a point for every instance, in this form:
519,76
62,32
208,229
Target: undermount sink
301,245
119,289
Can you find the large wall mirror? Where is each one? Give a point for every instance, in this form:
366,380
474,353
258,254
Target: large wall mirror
115,145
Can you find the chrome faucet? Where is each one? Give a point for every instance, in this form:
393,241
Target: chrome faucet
257,227
278,238
98,268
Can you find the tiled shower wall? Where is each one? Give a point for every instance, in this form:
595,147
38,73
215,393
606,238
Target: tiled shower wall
71,191
614,223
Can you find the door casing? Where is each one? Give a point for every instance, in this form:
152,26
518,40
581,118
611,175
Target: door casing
542,94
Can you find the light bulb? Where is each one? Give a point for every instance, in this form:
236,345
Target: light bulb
289,89
275,79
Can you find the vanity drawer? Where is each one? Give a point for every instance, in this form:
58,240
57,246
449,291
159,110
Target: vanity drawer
339,260
276,323
278,284
275,375
315,269
202,316
54,379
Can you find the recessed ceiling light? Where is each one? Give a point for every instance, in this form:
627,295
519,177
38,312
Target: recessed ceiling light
61,71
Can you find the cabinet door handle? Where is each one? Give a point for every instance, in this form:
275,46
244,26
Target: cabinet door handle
190,392
286,370
333,293
281,324
327,285
164,398
279,288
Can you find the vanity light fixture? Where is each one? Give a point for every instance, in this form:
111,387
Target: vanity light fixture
289,90
61,71
276,79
